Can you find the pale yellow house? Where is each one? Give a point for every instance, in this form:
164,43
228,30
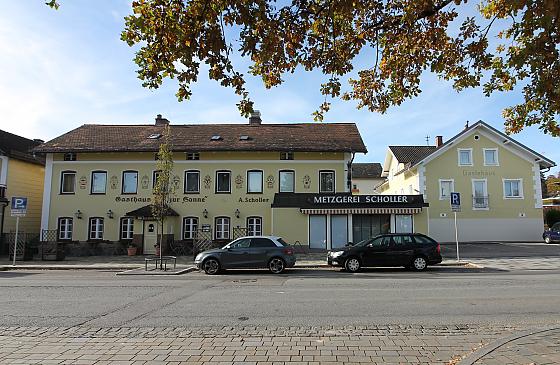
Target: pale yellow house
497,177
366,177
21,174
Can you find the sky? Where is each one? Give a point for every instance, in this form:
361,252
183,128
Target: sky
61,69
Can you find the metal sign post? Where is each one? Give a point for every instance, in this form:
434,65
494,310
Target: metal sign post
18,208
456,207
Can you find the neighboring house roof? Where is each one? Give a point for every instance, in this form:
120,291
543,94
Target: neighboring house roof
311,137
19,148
366,170
411,154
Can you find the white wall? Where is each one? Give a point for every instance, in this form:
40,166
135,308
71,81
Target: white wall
514,230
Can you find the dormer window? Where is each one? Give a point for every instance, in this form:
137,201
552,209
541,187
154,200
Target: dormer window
154,136
216,137
70,156
244,138
193,156
287,155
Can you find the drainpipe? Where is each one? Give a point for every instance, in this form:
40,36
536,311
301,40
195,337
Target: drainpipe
349,174
3,201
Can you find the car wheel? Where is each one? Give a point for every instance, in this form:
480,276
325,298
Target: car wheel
211,266
419,263
276,265
547,239
352,264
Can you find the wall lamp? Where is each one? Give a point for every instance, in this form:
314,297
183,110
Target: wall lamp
78,214
110,214
205,213
237,212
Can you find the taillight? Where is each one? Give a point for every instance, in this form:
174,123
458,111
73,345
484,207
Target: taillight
288,251
438,249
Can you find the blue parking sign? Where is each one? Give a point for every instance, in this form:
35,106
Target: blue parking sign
455,202
18,208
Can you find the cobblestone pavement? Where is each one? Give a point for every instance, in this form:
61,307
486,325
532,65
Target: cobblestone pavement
538,349
250,345
512,264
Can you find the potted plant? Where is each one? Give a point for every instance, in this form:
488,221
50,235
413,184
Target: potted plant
132,249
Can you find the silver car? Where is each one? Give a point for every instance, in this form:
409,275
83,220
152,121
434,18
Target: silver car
248,253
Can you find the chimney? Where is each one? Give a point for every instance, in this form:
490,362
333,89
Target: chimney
255,118
161,121
439,141
38,140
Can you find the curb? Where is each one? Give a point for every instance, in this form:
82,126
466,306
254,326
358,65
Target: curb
479,354
67,267
134,272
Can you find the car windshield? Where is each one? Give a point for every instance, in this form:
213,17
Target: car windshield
364,242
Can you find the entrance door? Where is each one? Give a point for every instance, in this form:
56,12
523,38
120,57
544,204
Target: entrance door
318,231
150,238
339,231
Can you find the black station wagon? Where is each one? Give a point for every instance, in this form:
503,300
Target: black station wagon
411,250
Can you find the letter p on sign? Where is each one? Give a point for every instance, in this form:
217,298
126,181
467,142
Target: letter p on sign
455,202
19,206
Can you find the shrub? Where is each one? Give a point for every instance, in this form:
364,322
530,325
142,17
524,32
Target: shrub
551,217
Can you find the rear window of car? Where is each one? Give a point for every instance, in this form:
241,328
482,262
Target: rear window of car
282,242
424,240
261,242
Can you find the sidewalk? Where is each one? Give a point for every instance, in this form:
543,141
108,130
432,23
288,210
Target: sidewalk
119,263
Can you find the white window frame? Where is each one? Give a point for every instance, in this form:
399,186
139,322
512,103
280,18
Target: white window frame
104,187
497,163
254,226
66,233
321,172
222,229
451,190
62,175
129,172
293,173
261,172
470,151
198,183
127,231
192,227
96,232
217,183
485,194
520,181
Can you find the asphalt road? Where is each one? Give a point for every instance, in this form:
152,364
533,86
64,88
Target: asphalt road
441,295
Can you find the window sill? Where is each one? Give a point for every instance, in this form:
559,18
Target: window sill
513,198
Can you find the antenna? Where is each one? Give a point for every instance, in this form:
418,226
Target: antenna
427,140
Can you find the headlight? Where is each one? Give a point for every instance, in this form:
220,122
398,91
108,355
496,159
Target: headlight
336,253
197,258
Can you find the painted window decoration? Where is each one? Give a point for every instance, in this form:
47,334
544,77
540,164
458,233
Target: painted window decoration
145,182
445,189
326,181
490,157
287,181
98,182
465,157
239,181
192,182
223,182
127,228
207,182
270,182
254,182
82,182
130,182
254,226
65,227
306,182
190,226
513,188
96,228
114,181
68,182
222,228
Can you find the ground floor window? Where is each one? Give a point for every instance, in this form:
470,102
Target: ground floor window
190,226
254,226
127,228
222,228
403,223
365,226
339,230
65,228
318,231
96,228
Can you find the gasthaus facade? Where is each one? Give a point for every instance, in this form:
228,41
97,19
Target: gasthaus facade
290,180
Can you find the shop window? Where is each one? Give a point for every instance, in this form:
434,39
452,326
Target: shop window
287,181
254,226
317,231
68,182
339,230
95,228
98,182
365,226
326,181
190,226
254,182
223,182
130,182
127,228
65,227
222,225
403,223
490,157
465,157
513,189
192,182
446,187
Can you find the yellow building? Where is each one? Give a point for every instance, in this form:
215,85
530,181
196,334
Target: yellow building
21,174
290,180
497,177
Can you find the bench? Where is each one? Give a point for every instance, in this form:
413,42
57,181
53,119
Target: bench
161,261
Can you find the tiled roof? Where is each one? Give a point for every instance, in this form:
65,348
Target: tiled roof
18,147
411,154
366,170
311,137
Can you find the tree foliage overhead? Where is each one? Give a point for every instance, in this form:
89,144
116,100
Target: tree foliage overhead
401,39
